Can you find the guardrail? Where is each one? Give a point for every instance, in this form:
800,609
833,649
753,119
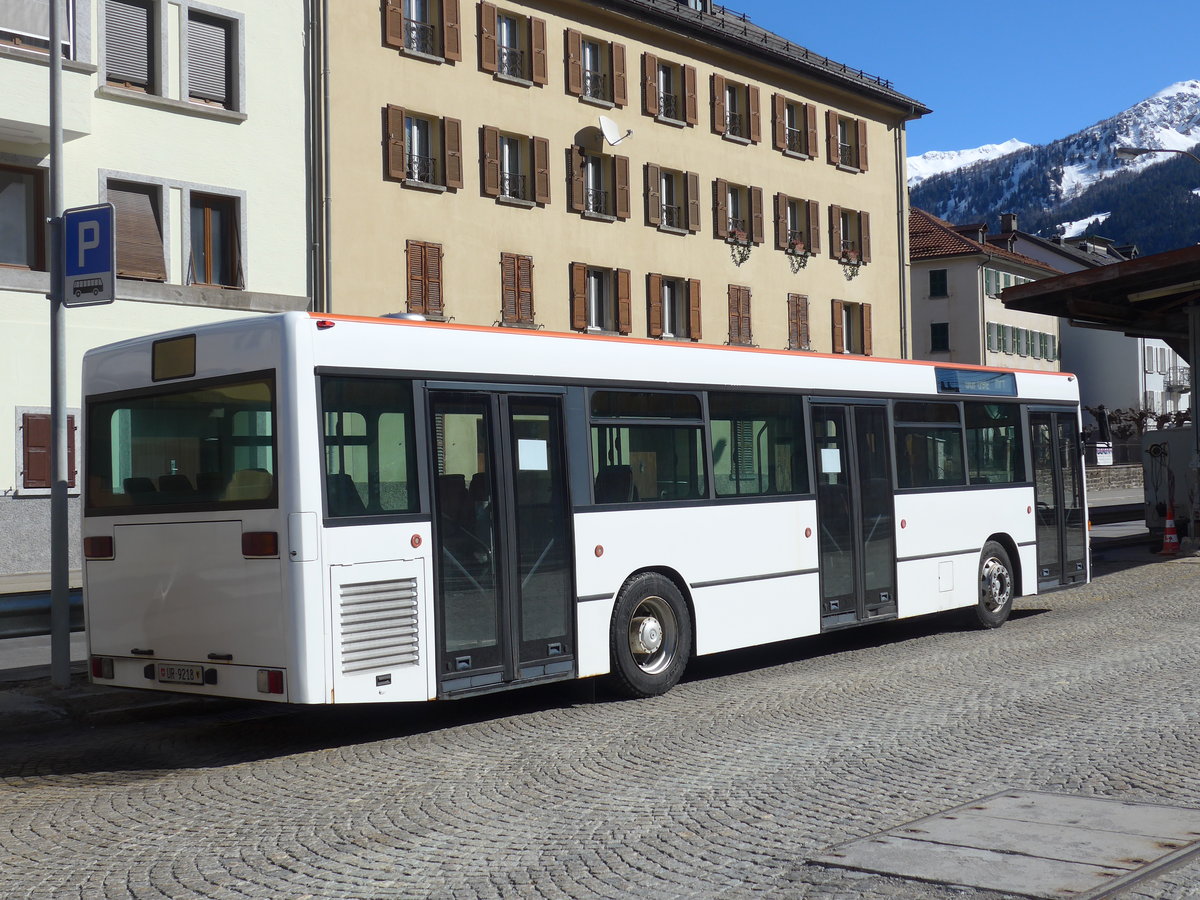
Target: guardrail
28,615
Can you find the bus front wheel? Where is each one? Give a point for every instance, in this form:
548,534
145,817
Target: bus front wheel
997,586
650,636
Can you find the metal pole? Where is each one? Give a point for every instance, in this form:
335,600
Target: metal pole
60,613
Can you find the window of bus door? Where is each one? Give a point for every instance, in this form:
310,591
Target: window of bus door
929,445
647,447
206,445
757,444
370,450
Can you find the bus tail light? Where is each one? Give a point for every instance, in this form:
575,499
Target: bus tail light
260,543
102,667
98,547
270,681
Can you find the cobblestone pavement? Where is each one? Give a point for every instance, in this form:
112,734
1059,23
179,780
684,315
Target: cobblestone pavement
721,788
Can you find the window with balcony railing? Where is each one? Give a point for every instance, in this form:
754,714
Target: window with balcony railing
669,91
847,142
735,109
424,28
515,167
512,46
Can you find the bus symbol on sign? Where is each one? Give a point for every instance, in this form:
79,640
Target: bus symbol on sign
89,255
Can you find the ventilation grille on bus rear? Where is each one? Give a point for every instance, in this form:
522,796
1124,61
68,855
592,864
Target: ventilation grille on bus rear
379,625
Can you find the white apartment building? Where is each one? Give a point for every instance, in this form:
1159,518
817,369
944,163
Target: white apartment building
190,117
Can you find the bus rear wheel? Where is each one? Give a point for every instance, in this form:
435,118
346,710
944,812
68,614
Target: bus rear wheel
650,636
997,586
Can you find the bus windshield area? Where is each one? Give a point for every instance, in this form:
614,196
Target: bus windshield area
210,445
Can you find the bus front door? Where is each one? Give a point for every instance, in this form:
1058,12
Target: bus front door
855,513
503,532
1058,493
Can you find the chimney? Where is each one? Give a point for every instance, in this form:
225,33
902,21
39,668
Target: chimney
1008,223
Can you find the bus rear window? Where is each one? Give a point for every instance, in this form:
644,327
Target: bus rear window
209,446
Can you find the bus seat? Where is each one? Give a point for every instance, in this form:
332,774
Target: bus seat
139,486
177,484
209,484
249,484
481,488
344,499
614,484
454,500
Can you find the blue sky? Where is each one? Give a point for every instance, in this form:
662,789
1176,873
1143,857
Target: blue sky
993,71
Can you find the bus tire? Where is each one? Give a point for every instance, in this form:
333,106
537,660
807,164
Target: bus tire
650,636
997,586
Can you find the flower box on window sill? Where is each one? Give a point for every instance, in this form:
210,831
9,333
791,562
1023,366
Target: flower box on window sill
797,248
850,258
738,237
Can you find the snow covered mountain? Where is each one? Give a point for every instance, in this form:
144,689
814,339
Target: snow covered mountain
1051,184
935,162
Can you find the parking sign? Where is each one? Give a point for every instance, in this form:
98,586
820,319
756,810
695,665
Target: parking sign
89,255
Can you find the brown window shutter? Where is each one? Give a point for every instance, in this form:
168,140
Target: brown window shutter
839,337
747,336
693,201
810,123
864,236
650,84
537,40
621,185
488,52
574,62
396,163
393,29
721,208
831,138
866,328
434,296
541,170
653,194
578,296
525,289
734,295
139,233
35,450
862,145
798,322
624,305
694,308
451,33
491,161
781,227
814,226
508,288
654,305
835,231
414,252
575,161
452,148
70,451
718,103
779,121
755,114
757,229
620,89
691,106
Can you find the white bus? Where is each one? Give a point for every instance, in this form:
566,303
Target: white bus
321,509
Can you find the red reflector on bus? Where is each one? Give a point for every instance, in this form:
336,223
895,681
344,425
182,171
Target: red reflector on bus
324,323
102,667
260,543
98,547
270,681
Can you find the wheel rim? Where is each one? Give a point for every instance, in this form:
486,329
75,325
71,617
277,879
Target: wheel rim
996,585
653,635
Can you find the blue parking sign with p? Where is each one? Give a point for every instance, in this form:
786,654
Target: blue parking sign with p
89,255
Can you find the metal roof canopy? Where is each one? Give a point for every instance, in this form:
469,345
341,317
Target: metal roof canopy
1154,296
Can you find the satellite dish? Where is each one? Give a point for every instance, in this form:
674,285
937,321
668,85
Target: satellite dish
611,132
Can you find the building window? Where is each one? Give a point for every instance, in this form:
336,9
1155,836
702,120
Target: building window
672,199
739,316
131,44
512,46
599,184
212,49
673,307
795,126
799,337
424,27
423,262
22,217
938,283
849,235
847,141
139,236
596,69
600,299
216,243
939,337
851,327
668,90
737,212
516,289
796,225
424,150
34,441
516,167
735,109
26,25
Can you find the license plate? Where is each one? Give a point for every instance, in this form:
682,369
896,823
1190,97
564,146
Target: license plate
169,674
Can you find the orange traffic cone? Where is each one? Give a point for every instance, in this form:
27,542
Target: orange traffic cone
1170,545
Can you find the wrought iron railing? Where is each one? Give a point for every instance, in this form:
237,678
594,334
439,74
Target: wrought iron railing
595,85
735,124
795,140
1178,378
514,186
672,216
596,201
422,168
511,62
419,36
848,154
668,106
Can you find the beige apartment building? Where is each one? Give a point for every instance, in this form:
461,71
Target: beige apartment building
647,168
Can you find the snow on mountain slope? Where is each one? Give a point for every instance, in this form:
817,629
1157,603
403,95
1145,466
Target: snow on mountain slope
935,162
